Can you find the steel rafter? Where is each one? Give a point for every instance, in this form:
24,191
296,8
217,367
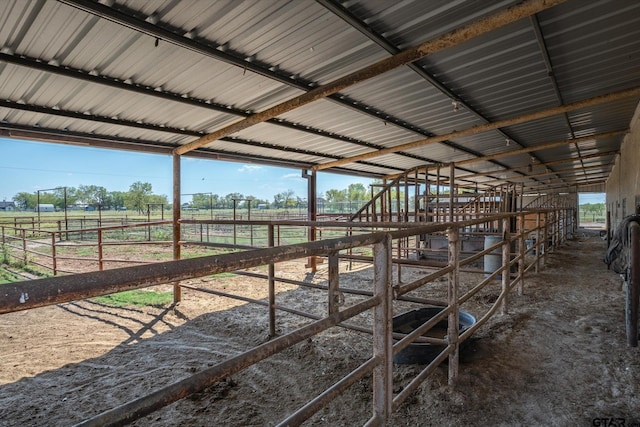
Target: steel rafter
381,41
125,17
132,144
181,98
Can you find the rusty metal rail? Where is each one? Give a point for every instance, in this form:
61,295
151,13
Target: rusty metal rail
38,293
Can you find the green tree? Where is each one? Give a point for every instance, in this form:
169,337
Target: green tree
138,196
357,192
284,200
228,199
25,200
202,201
257,201
157,200
116,199
92,195
335,198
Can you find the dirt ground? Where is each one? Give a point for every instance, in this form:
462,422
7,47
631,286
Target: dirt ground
558,358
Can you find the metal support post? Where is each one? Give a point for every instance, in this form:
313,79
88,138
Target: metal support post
382,332
454,319
522,253
272,288
633,284
54,261
335,298
177,291
100,253
506,258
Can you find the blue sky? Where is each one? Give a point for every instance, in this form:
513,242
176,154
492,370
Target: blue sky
29,166
591,198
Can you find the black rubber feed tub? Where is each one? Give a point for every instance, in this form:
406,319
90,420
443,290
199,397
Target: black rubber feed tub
424,353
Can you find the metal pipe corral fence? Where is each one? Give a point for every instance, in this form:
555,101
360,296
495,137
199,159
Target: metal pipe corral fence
376,239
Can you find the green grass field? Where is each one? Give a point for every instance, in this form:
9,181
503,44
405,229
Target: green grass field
136,297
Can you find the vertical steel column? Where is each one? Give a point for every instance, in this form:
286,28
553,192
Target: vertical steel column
177,291
272,286
521,208
608,229
452,178
100,249
382,332
373,206
66,218
398,216
537,246
453,235
235,236
416,195
334,283
416,204
427,196
546,238
506,258
406,197
312,212
633,285
53,252
438,193
522,252
389,199
23,233
248,202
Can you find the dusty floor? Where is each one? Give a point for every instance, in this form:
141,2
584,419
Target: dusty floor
558,358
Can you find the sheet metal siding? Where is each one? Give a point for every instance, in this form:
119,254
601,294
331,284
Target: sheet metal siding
407,23
501,74
592,45
300,38
341,120
402,93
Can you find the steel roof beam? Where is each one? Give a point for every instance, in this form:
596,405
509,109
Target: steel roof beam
491,126
176,97
550,172
381,41
550,73
171,130
539,147
131,144
176,131
584,181
205,47
407,56
554,162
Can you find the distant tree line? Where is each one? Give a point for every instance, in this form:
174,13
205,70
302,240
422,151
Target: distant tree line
593,209
140,195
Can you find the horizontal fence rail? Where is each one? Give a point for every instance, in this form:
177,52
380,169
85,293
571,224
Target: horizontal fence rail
522,237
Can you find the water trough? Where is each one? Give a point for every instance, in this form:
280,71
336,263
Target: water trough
424,353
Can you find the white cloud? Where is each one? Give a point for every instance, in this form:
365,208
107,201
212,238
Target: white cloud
249,168
291,175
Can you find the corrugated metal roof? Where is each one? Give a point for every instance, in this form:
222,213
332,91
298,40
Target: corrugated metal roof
158,74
